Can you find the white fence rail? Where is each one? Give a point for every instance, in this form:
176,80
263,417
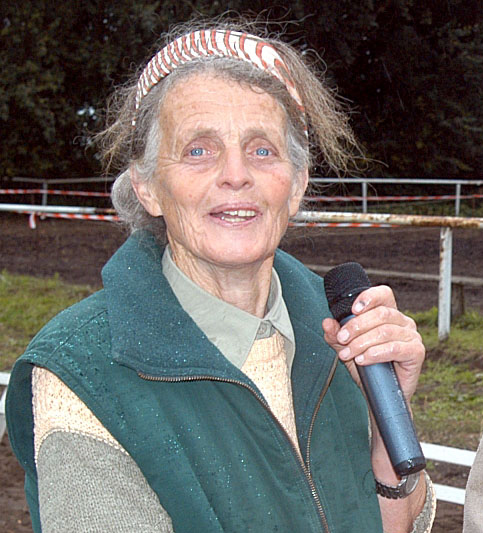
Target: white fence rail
4,377
432,452
445,454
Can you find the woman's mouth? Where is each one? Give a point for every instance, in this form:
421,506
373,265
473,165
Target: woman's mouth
235,215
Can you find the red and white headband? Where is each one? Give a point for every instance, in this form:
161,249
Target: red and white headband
209,43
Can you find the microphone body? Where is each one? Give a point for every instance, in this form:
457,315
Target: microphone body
343,284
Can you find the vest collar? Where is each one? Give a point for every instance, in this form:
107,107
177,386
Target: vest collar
150,331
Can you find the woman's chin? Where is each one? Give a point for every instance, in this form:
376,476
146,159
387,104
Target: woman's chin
239,257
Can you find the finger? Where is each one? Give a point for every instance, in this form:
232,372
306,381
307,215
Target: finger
331,327
380,343
374,297
374,319
407,358
408,354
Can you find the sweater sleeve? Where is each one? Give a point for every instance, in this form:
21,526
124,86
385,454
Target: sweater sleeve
424,522
87,481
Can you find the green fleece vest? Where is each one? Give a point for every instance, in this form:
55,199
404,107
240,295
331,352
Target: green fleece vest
198,428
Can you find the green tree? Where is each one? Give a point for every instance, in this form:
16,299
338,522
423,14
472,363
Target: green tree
59,62
412,71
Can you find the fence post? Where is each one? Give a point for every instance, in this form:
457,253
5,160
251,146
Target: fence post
364,196
45,186
458,200
444,290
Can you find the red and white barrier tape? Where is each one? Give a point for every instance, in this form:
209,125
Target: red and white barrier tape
57,192
339,225
71,216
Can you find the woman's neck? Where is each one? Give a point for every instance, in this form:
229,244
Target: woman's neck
246,287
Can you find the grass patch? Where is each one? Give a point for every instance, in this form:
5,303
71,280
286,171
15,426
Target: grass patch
26,304
466,332
448,405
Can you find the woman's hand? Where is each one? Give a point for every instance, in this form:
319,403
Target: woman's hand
378,333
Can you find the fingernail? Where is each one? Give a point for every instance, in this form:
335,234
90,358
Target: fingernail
359,359
343,335
345,353
359,306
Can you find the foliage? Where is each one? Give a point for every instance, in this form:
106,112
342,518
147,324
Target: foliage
412,70
26,304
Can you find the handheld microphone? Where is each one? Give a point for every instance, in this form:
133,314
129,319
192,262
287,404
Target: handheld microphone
342,285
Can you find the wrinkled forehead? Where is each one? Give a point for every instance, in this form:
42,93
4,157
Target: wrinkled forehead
208,102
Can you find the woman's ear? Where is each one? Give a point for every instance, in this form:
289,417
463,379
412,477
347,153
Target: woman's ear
298,191
145,194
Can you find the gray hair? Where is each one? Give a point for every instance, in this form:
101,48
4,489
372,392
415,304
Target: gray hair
138,148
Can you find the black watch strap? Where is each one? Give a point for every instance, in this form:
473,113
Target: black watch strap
403,489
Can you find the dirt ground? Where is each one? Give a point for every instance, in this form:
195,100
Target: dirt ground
76,250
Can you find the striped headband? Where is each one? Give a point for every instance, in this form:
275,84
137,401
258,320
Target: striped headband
209,43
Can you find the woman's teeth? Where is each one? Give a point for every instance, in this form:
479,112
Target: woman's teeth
238,215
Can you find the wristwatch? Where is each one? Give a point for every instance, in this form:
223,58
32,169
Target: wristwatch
401,490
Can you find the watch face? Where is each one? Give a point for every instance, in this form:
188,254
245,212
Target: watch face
411,482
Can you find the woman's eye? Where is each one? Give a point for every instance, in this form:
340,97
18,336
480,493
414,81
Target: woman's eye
262,152
197,152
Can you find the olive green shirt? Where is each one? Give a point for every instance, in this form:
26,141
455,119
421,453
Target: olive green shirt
229,328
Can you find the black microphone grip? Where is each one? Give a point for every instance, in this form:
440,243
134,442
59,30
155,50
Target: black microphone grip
343,284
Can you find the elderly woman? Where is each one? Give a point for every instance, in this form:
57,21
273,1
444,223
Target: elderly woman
206,387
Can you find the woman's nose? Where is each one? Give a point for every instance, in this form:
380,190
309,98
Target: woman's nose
235,172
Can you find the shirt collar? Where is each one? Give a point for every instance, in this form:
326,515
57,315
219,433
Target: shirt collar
232,330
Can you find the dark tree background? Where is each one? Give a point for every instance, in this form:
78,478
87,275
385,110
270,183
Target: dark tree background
411,69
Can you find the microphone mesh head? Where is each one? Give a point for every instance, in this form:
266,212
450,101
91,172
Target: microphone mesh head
342,286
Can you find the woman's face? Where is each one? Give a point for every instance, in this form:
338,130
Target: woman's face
224,182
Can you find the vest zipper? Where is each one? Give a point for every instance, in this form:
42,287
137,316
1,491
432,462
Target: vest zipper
305,468
317,407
